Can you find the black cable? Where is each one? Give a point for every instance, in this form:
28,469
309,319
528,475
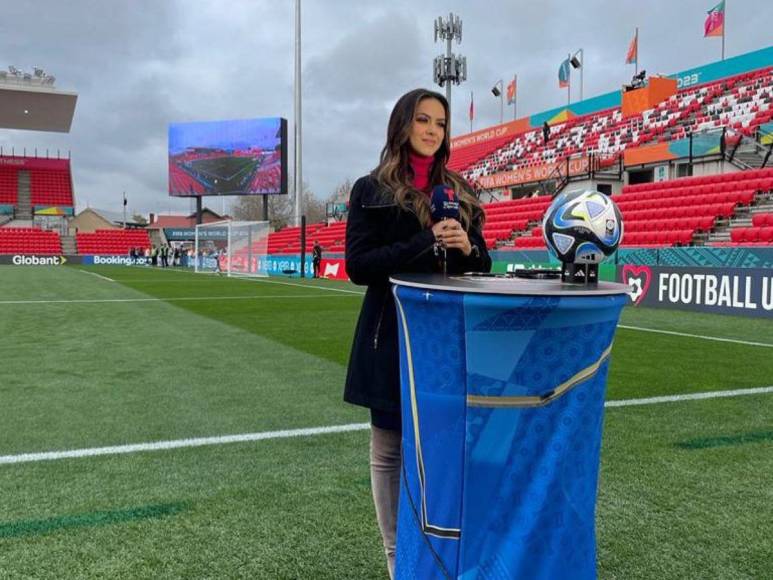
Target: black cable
416,517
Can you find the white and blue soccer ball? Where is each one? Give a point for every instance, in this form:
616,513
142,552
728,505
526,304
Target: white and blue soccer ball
582,227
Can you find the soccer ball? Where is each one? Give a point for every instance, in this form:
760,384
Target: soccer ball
582,227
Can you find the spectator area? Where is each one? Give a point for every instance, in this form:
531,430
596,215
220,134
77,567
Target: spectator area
741,104
29,241
112,242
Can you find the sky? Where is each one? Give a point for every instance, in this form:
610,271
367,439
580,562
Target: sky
139,65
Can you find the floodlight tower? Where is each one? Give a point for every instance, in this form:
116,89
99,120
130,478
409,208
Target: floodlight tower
450,68
298,115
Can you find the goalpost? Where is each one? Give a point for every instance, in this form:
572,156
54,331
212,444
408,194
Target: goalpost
234,248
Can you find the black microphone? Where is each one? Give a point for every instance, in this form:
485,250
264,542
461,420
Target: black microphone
444,204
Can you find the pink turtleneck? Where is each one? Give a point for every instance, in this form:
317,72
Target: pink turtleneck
421,166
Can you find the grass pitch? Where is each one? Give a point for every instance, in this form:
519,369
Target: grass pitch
137,355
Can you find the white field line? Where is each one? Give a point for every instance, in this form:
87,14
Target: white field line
264,281
689,397
97,275
700,336
179,443
179,299
313,431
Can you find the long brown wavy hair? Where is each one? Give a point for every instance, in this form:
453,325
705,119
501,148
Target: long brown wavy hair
394,170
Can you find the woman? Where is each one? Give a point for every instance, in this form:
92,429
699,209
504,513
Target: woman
390,231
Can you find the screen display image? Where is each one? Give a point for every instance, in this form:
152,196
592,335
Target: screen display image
242,157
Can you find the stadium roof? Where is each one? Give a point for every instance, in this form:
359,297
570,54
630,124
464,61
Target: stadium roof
35,108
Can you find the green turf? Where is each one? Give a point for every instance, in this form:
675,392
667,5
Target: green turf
684,492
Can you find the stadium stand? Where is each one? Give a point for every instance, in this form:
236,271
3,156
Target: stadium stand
29,241
287,240
463,157
50,181
741,103
112,242
728,209
506,218
694,205
9,181
51,186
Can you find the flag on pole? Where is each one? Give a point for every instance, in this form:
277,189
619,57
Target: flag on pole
563,74
715,21
633,50
472,107
511,92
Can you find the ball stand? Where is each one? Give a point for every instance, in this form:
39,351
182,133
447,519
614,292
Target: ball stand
581,274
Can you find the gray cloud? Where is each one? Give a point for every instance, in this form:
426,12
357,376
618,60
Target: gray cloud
139,65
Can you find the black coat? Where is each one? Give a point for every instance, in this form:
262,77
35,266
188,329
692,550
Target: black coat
383,239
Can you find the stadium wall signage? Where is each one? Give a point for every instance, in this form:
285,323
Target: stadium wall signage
113,261
702,145
271,265
333,269
189,234
511,128
767,133
280,265
32,260
52,210
529,174
700,257
697,256
738,291
34,163
86,260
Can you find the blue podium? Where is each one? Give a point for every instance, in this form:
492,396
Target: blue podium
502,386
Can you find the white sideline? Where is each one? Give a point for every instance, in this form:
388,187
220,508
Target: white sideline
703,337
181,299
311,431
179,443
689,397
264,281
95,274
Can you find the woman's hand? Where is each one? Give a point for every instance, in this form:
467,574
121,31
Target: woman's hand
452,235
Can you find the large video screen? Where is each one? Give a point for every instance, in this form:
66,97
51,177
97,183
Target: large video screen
243,157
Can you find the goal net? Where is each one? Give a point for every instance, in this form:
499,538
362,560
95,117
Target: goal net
234,248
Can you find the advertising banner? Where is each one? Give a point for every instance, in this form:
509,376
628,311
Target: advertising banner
34,163
189,234
529,174
702,144
491,133
333,268
281,265
113,261
738,291
52,210
32,260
